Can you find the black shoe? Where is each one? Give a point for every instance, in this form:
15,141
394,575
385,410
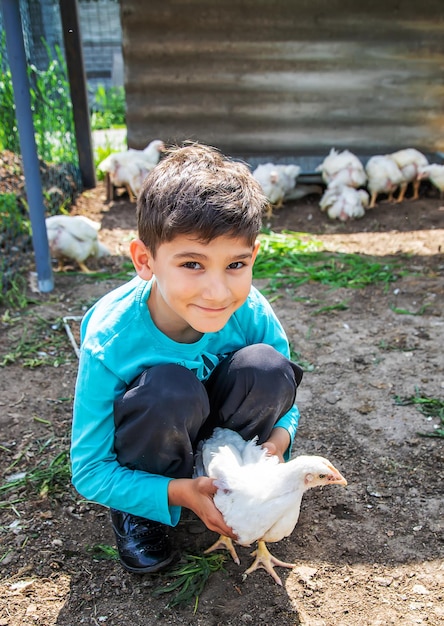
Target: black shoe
142,544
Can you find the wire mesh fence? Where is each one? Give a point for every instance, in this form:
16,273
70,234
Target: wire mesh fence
52,117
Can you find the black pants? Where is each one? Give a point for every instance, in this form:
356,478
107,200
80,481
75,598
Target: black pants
167,410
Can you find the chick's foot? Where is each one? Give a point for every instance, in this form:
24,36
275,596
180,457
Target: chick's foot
224,543
264,559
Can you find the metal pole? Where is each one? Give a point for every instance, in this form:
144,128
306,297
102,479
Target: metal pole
17,62
79,93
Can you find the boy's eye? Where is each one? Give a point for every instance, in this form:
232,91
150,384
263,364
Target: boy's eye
236,265
192,265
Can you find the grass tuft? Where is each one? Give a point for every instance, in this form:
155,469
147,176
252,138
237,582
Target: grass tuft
191,575
45,478
430,407
104,551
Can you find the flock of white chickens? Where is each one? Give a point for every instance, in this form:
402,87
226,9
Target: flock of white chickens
351,187
345,177
344,197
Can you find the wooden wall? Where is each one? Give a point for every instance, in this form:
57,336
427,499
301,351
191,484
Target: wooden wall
285,77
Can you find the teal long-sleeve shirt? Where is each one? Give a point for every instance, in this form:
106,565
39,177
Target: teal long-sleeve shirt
119,341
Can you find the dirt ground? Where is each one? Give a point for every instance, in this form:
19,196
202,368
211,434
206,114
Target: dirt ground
369,554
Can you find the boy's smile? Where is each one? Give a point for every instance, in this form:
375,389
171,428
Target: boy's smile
198,286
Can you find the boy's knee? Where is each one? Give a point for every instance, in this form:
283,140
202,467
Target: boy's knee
264,360
170,381
166,390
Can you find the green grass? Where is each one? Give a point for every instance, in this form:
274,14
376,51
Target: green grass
289,260
190,577
104,551
126,272
14,292
400,311
430,407
39,342
296,357
340,306
46,478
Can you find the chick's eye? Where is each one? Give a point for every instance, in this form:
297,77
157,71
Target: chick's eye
321,476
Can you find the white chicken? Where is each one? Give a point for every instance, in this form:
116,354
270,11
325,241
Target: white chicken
75,238
384,176
344,203
435,173
128,169
278,182
410,161
259,497
344,168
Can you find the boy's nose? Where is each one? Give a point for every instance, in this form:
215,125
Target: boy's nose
215,290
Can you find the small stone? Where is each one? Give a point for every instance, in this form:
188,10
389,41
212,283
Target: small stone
420,589
32,609
332,398
383,581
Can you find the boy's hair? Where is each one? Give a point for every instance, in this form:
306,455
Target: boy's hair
195,190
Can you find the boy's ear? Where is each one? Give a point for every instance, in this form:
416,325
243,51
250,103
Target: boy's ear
141,258
256,249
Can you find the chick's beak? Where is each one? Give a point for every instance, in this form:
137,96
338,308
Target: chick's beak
336,478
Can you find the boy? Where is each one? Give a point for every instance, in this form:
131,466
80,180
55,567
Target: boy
185,346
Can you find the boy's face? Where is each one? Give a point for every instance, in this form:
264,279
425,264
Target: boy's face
199,285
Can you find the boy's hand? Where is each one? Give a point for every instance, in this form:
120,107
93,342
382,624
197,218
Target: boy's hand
277,443
197,494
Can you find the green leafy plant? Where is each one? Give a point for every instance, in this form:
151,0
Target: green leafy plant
9,137
109,108
53,114
430,407
191,576
51,109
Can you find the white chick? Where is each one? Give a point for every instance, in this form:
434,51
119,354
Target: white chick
344,203
277,181
384,176
435,173
259,497
75,238
410,162
344,168
129,168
